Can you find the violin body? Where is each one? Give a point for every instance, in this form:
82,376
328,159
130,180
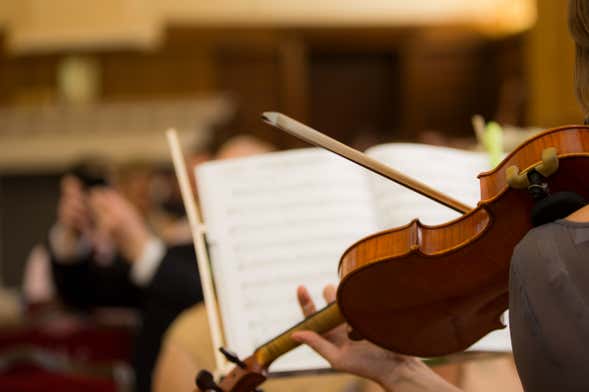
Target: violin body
434,290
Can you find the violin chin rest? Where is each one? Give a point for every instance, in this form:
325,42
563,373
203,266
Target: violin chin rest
556,206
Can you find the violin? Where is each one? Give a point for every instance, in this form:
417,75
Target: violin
435,290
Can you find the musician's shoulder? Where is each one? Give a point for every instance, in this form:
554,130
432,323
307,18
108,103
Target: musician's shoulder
538,243
544,250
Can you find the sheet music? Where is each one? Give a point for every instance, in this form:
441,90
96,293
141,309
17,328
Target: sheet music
448,170
275,222
283,219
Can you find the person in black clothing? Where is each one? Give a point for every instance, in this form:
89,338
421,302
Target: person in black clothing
103,254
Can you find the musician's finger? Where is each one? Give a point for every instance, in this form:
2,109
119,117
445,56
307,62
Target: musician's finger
329,293
322,346
76,219
71,185
305,301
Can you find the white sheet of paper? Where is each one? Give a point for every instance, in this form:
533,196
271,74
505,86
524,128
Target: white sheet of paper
276,222
283,219
453,172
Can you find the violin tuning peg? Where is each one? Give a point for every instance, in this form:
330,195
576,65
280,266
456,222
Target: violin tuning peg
549,164
515,179
232,357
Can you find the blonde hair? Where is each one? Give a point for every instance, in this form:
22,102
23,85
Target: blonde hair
579,27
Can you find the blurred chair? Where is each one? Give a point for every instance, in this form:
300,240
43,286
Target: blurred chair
68,357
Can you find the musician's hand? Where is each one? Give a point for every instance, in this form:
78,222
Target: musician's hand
72,210
118,219
73,219
393,371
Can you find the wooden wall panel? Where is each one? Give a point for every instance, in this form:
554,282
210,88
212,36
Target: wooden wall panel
27,210
345,80
170,73
254,81
550,65
355,96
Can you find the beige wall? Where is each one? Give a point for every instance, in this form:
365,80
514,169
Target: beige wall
8,10
351,12
42,25
550,68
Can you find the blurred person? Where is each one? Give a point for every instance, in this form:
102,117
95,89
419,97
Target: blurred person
103,253
241,146
170,220
187,347
38,288
132,179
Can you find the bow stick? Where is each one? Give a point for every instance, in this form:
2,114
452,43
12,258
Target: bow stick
319,139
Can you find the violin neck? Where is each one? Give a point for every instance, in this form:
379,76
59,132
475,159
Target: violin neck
320,322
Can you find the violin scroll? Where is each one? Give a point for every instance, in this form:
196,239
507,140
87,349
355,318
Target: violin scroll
239,379
251,372
206,382
549,164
